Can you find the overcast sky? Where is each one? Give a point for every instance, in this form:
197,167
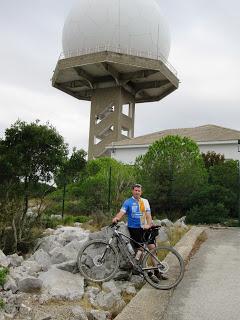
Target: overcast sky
205,51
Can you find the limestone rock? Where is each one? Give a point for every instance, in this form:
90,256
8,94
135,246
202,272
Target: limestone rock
10,284
61,284
98,315
4,262
123,275
48,243
29,284
32,267
15,260
42,258
167,223
91,295
110,302
78,313
25,310
69,266
137,281
110,286
68,234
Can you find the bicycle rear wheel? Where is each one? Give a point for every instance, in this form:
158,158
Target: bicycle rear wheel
166,261
98,261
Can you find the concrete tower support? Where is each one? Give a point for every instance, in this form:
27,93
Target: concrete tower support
112,119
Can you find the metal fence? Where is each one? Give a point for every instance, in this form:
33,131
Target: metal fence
123,50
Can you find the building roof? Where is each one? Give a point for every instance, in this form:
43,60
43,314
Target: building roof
204,133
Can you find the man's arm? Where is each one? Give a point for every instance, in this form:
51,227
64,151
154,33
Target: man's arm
118,217
148,215
149,221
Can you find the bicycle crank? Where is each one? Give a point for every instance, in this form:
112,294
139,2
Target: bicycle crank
164,267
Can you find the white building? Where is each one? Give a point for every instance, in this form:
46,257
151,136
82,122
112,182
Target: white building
209,138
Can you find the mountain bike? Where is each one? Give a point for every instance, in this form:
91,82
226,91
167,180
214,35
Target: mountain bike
98,260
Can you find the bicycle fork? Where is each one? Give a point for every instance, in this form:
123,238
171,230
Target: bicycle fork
101,260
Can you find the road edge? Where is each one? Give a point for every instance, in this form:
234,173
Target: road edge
151,304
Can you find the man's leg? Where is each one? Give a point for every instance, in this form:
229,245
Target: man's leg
157,273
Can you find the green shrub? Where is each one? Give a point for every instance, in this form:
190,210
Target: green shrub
232,223
53,208
214,194
74,207
207,213
3,274
2,304
51,222
48,222
72,219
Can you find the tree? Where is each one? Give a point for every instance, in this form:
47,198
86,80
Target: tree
10,198
69,171
213,194
91,192
226,175
212,158
32,154
170,171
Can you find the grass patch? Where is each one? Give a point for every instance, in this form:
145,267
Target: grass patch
3,274
127,297
174,235
202,238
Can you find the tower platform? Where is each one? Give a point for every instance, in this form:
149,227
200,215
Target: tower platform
114,83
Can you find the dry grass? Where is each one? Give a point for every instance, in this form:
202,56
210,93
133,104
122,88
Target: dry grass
202,238
174,235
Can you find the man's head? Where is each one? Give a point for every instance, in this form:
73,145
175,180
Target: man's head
137,191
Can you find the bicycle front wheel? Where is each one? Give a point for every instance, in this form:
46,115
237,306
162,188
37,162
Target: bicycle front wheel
98,261
163,262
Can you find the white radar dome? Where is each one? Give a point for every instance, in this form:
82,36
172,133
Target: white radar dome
127,26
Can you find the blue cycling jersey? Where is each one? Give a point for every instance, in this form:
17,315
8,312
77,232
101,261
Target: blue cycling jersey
131,207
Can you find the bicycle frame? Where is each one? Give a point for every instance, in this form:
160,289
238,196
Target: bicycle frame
120,239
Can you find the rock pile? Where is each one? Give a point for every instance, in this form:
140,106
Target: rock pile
50,274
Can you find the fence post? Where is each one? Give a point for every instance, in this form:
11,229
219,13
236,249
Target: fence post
238,166
109,188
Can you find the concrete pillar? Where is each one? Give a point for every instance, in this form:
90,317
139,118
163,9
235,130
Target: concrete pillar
108,123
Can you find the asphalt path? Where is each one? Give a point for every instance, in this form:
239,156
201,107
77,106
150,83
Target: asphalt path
210,289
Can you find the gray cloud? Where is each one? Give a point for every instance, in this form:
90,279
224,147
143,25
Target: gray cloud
205,51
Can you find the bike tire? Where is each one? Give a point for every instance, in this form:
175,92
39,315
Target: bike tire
173,267
89,261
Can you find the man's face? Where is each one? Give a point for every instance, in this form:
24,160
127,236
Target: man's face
136,192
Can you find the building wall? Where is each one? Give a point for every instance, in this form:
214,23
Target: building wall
128,155
230,151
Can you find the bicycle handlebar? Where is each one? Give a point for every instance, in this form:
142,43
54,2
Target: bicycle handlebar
154,226
114,224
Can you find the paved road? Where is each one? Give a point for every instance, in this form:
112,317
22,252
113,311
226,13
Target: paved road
211,286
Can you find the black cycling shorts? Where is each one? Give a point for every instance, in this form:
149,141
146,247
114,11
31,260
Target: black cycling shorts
140,235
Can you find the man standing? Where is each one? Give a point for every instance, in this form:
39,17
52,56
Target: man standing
139,217
138,213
